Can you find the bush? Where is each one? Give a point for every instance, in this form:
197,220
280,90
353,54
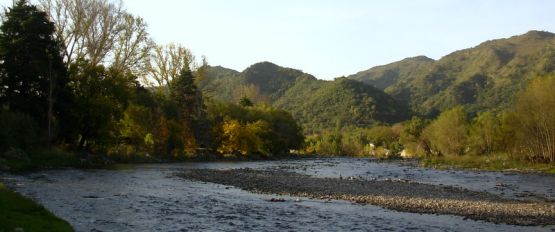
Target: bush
19,131
15,159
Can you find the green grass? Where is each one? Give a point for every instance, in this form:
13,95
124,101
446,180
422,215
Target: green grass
494,162
17,211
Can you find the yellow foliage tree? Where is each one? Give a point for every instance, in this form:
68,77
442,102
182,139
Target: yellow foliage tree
533,120
447,134
243,139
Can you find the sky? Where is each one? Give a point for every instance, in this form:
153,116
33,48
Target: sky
332,38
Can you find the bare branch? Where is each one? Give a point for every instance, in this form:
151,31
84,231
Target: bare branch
166,62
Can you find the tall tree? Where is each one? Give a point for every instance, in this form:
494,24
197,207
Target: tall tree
187,97
33,74
533,120
100,31
166,62
131,50
184,92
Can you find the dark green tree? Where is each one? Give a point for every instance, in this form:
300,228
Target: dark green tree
190,109
101,97
32,73
183,92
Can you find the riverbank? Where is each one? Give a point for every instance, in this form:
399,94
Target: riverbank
21,212
20,161
397,195
494,162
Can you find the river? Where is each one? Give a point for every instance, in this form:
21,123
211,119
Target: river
150,197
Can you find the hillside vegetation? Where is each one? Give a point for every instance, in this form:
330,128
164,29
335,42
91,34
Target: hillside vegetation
317,104
482,78
485,77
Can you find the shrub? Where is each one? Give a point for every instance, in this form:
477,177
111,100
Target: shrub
19,130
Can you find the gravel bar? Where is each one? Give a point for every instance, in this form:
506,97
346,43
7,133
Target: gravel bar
397,195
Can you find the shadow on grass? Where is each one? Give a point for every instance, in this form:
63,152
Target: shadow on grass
17,211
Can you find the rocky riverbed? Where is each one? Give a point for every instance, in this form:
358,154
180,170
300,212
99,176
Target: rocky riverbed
403,196
152,197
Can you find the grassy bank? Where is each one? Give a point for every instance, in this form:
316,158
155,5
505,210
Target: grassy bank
17,211
494,162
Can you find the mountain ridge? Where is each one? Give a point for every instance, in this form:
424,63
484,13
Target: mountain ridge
483,77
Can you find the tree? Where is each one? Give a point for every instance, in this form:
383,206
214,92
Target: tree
183,93
166,62
382,136
484,133
244,139
190,106
132,47
101,97
410,136
278,135
447,134
412,130
284,134
32,73
533,122
100,31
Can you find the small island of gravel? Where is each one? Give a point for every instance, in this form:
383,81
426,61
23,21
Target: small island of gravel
397,195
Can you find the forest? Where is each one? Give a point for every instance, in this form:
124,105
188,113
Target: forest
82,82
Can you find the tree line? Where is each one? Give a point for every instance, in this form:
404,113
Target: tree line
523,131
85,76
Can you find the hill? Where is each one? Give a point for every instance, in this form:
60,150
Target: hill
484,77
317,104
330,104
384,76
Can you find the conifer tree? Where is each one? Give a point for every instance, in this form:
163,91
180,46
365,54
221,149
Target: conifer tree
32,73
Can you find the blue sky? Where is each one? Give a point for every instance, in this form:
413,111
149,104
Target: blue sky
331,38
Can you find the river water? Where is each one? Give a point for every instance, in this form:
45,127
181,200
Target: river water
151,198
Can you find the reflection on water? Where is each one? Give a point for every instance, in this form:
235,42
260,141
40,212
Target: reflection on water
151,198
